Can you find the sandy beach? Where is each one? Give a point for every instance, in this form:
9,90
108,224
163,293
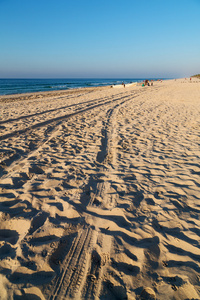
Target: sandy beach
100,192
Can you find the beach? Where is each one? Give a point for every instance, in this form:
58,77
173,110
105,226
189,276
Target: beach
100,193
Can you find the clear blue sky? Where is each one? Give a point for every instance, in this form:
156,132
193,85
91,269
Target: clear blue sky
99,38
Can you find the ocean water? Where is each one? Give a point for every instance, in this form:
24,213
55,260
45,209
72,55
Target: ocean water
18,86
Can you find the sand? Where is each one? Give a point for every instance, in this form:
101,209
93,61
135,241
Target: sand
100,193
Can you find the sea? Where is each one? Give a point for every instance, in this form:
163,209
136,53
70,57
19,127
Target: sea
20,86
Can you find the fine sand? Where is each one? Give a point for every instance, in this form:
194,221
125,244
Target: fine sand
100,193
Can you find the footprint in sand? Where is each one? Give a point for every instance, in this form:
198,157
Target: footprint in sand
38,221
6,250
10,236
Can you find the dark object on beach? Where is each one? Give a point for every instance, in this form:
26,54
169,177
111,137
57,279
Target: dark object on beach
146,82
123,84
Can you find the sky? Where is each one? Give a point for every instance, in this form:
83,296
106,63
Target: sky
99,38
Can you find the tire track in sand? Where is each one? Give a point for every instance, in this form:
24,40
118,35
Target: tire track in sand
50,127
86,262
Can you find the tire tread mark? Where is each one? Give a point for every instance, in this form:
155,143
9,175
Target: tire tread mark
69,268
67,116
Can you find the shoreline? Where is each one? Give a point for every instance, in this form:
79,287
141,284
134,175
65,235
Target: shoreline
43,94
117,83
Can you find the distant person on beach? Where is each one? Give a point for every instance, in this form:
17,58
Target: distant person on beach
123,84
